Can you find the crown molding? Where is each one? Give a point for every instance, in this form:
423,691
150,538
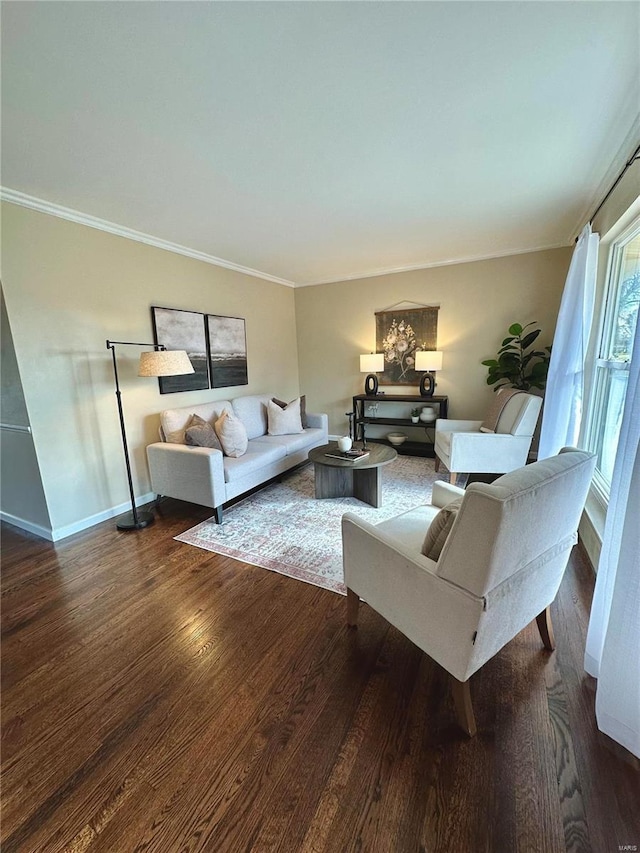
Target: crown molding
426,266
42,206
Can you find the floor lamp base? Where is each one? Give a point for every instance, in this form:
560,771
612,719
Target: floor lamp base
127,521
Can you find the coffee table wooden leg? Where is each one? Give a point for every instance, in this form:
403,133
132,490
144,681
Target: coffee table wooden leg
367,485
333,482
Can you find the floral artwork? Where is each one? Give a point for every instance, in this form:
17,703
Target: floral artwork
399,335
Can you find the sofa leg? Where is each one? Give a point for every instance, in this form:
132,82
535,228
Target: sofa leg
217,511
546,629
453,477
353,602
464,708
436,463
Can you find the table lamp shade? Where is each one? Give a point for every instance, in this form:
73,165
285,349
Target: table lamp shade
428,360
164,363
372,362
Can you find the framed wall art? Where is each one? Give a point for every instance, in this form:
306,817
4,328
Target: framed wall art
182,330
399,335
227,351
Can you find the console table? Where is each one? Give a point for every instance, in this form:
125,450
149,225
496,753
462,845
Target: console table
361,418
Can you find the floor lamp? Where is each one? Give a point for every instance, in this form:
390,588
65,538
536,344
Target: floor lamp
159,362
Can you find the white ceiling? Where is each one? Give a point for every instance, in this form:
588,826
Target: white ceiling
317,141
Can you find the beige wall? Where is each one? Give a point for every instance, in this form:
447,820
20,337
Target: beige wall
478,301
68,288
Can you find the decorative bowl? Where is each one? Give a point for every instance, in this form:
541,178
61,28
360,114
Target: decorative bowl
396,438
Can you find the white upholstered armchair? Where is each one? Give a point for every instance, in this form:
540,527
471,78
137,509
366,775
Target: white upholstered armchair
465,448
496,569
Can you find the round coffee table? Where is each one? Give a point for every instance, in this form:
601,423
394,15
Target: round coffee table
338,478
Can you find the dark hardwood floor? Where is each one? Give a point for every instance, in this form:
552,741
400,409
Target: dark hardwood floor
156,697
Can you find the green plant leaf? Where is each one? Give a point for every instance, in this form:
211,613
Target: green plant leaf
507,341
515,329
490,362
540,370
530,338
508,359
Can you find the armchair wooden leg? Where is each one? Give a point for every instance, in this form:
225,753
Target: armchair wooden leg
546,629
353,602
464,708
453,477
436,463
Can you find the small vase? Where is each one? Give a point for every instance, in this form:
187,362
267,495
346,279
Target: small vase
344,444
415,419
427,415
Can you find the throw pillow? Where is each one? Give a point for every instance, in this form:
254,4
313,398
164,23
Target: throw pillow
200,433
284,421
439,530
232,434
303,408
490,422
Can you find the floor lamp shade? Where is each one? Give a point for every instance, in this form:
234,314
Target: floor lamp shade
164,363
159,362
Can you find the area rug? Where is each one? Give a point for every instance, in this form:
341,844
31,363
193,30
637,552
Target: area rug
283,527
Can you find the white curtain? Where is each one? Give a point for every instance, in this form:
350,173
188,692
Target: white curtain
565,384
613,640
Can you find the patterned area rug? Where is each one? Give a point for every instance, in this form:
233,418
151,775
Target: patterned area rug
283,527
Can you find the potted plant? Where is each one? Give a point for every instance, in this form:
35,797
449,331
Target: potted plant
517,364
415,415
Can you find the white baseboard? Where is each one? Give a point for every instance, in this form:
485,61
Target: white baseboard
591,540
29,526
591,527
57,533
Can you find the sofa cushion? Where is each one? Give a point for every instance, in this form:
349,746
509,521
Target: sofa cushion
174,422
439,529
252,411
232,434
258,456
199,433
303,408
293,443
284,421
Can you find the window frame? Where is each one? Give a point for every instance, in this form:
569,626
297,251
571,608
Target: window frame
602,365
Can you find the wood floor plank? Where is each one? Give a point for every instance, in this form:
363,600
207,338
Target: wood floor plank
157,697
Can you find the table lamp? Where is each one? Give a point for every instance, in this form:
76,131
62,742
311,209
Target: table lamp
371,363
428,361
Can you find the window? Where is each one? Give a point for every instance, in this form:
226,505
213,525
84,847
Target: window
622,295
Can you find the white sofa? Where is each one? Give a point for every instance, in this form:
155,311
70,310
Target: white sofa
205,476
